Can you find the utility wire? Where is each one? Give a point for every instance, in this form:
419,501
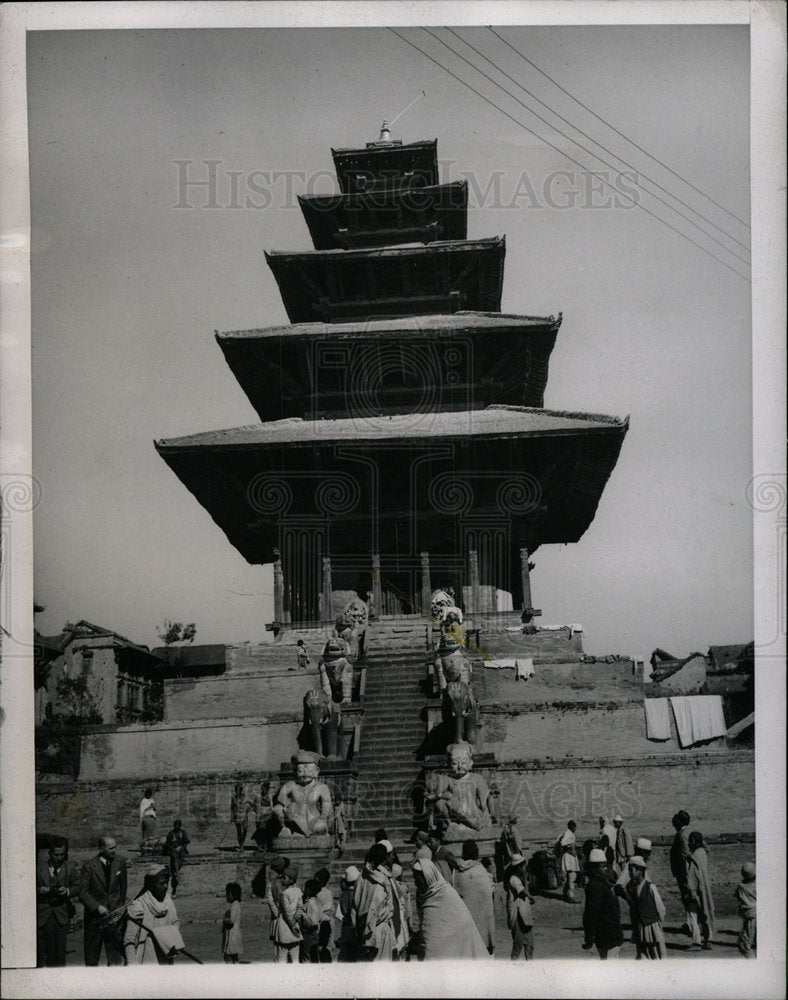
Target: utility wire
613,127
585,149
561,152
577,128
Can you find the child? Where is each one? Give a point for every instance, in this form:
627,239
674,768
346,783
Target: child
302,654
646,910
232,943
745,894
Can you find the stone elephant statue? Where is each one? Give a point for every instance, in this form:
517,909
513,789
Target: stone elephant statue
323,723
460,713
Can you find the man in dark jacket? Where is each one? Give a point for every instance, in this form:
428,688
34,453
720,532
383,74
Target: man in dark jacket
601,916
102,889
56,882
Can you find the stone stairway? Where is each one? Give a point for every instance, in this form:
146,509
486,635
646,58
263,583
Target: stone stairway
394,729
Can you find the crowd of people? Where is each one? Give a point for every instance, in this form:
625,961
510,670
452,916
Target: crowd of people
375,916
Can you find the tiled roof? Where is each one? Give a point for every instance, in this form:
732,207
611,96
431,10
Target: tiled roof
493,422
410,326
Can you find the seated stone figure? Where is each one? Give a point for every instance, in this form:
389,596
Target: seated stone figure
336,671
460,798
303,805
439,602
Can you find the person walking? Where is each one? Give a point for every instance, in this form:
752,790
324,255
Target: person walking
647,911
700,902
176,848
475,888
447,927
570,866
232,939
153,928
746,898
373,903
57,879
287,935
601,916
519,912
102,888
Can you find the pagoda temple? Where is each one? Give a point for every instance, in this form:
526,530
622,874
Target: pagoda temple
403,449
403,443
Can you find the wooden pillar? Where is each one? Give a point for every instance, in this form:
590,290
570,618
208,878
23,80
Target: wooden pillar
377,591
279,588
476,594
526,576
426,587
327,612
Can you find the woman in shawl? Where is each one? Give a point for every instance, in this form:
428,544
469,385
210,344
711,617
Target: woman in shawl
647,911
475,886
447,927
700,903
373,902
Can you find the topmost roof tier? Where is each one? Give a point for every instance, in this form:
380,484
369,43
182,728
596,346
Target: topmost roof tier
386,164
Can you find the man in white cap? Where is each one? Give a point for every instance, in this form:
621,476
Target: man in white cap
624,845
152,932
601,916
642,850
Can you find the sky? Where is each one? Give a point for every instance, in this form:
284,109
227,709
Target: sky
128,289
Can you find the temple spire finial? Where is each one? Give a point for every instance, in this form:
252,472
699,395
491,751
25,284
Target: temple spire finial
385,132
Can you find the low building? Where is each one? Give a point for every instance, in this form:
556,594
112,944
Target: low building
122,680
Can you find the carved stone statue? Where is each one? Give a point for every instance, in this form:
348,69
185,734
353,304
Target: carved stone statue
323,722
461,797
303,805
460,712
336,671
350,626
440,600
451,660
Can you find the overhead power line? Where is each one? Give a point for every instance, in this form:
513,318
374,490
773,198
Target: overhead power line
613,127
561,152
580,145
596,142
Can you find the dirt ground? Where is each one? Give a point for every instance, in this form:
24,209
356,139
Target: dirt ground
558,932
